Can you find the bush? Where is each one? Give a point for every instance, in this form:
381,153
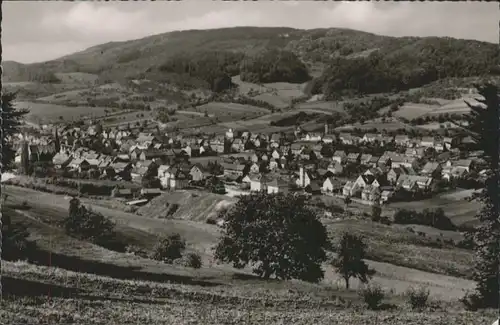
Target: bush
136,251
417,297
15,243
471,301
372,296
434,218
169,249
85,224
192,260
211,221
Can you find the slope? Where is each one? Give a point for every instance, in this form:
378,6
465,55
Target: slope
186,205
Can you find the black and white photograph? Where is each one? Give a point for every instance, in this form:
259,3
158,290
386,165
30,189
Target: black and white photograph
206,162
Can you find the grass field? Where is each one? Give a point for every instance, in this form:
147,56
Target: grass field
81,298
321,106
77,77
456,206
410,111
233,109
40,113
377,124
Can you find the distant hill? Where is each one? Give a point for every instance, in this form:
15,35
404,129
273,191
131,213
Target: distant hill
351,61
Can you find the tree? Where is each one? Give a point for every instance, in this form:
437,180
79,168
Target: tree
169,248
349,262
150,178
216,186
15,243
25,158
347,201
12,120
376,213
277,234
484,126
85,224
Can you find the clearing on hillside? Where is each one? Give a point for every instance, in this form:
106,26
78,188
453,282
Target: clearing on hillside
186,205
410,111
41,113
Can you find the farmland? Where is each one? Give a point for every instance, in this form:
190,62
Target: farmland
49,113
238,110
377,124
410,111
457,207
320,106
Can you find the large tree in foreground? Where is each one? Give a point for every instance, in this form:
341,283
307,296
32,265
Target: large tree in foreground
12,120
277,234
484,128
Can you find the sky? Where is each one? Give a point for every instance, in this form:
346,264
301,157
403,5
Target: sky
35,31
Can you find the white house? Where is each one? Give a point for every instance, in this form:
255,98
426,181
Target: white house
328,185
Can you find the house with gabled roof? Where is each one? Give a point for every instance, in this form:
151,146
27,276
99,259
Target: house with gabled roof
238,145
329,138
353,157
296,148
431,169
61,160
257,182
365,159
371,137
428,142
339,156
371,193
198,173
336,168
408,182
233,169
417,152
330,185
351,189
402,140
277,185
349,139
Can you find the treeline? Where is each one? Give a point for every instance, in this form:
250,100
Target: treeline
295,119
273,66
412,66
433,218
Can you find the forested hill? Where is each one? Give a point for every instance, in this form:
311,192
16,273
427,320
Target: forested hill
348,61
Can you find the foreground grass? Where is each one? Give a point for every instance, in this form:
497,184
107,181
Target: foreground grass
41,295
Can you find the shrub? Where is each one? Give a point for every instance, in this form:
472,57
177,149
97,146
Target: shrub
417,297
138,251
169,249
192,260
471,301
85,224
372,296
211,221
15,243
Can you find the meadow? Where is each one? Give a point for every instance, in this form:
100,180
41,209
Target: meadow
40,113
125,288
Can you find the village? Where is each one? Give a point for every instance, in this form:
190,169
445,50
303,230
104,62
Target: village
368,168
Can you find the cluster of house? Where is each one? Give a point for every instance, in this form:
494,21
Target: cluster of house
274,163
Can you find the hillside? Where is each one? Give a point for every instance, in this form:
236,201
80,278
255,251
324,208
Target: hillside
148,57
186,205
